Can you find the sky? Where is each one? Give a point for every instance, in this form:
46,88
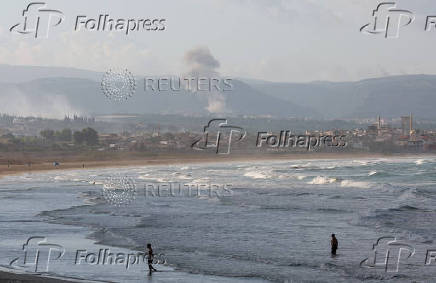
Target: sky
273,40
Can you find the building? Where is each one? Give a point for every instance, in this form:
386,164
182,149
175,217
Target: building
407,125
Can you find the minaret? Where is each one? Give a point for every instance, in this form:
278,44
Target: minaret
411,124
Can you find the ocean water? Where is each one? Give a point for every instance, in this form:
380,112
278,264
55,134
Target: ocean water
272,223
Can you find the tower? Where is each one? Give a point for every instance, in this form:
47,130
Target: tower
411,125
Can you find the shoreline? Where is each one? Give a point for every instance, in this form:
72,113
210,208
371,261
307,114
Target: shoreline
173,159
11,276
8,275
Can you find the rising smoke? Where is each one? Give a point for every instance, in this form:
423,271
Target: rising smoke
201,63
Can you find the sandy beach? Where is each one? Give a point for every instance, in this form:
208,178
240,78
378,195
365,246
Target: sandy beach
38,164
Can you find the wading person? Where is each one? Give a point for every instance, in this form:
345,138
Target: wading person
334,243
150,258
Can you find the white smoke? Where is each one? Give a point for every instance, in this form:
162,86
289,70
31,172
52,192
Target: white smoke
201,63
15,102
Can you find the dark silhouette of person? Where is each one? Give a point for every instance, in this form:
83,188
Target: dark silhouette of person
150,258
334,243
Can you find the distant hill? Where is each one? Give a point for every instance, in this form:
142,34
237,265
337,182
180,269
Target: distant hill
83,96
390,96
56,90
19,74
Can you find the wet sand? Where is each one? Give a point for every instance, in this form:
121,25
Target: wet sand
38,165
9,277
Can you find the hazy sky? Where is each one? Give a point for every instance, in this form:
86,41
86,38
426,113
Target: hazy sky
276,40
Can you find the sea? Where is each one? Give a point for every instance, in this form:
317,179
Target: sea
254,221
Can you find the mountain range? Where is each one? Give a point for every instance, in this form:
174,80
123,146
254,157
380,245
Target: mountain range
56,91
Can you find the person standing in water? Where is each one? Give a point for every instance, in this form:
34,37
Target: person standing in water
334,243
150,258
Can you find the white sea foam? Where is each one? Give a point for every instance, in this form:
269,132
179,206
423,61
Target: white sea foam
144,177
204,180
321,180
61,178
355,184
256,175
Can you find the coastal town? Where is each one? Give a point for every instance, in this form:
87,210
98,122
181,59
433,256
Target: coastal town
30,134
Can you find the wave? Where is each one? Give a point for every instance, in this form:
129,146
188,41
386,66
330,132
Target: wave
153,179
407,208
182,176
321,180
257,175
332,210
355,184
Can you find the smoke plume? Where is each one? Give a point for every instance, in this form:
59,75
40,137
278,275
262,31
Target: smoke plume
202,63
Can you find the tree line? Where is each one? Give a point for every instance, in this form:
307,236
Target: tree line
87,136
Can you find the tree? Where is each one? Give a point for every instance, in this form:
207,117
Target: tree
64,135
90,136
78,137
87,135
47,134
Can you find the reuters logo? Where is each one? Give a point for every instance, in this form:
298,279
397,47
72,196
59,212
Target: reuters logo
119,190
118,85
